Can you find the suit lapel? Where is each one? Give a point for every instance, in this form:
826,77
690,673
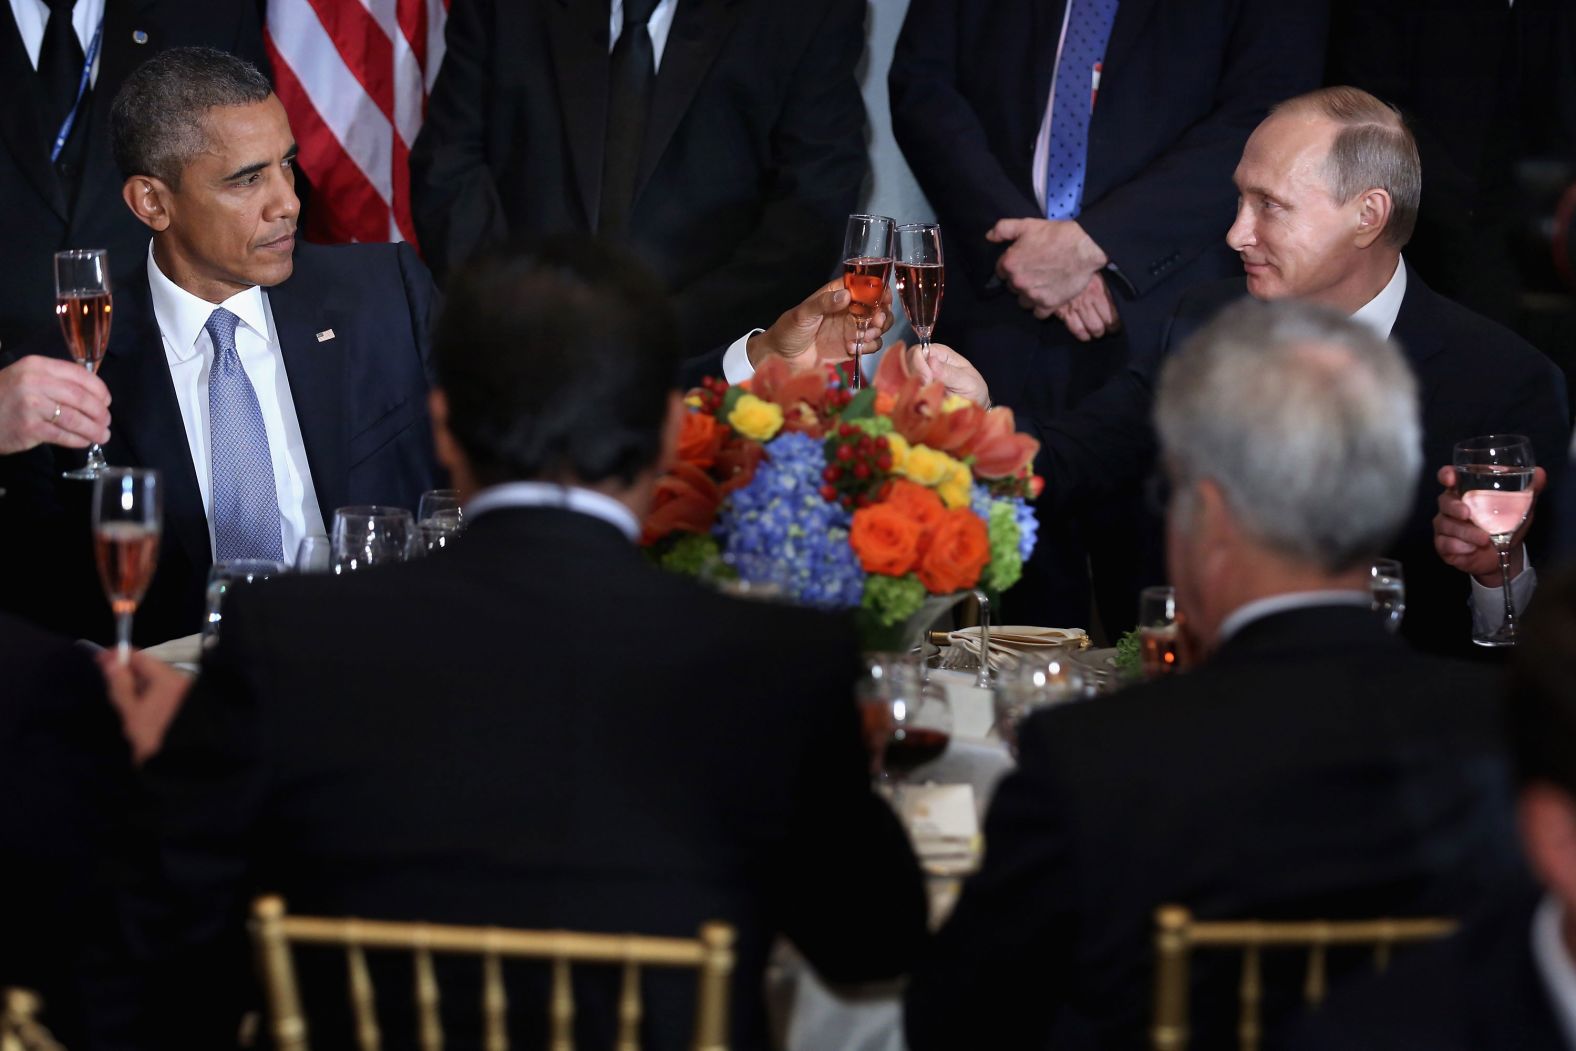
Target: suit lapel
699,29
1130,18
317,380
20,125
147,417
119,54
1414,327
1048,18
580,62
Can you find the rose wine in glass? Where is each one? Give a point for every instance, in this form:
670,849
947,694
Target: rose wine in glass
82,303
1494,479
921,277
867,256
1158,647
127,519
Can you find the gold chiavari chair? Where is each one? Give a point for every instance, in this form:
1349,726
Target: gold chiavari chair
20,1029
274,932
1177,934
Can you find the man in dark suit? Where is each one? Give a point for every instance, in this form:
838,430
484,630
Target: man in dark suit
1508,981
1313,766
1078,155
65,775
74,202
270,383
723,140
1337,240
661,769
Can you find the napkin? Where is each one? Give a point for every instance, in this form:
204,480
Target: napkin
185,652
1009,643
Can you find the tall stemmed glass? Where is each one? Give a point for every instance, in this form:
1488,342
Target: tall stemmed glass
82,303
1494,479
921,277
127,518
867,256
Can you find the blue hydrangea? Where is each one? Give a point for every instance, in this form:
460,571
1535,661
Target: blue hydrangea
980,502
779,530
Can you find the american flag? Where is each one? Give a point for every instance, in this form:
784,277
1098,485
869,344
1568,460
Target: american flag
354,76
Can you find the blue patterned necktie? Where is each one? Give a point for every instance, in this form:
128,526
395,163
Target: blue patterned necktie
245,503
1088,30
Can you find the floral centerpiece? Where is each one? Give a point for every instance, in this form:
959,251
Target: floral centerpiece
872,501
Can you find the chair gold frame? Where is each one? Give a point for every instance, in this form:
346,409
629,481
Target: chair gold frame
20,1029
1177,934
274,932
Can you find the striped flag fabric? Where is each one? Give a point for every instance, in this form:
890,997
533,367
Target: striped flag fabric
354,77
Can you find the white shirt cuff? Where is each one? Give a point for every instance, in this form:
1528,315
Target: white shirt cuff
1488,604
736,367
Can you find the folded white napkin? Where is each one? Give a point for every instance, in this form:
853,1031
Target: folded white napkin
1008,644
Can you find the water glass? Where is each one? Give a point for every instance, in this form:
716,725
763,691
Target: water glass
1388,585
372,536
315,554
439,530
1031,685
436,502
225,575
1157,632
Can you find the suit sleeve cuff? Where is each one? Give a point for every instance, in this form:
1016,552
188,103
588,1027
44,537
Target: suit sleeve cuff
1488,604
736,367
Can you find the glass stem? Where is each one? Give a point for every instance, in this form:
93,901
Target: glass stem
123,638
1504,580
863,327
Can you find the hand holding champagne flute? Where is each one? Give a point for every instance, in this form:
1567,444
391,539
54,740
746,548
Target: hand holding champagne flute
867,256
921,277
1494,479
127,519
82,303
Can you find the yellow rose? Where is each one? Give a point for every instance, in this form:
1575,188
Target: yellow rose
927,466
955,489
897,447
954,402
755,418
693,401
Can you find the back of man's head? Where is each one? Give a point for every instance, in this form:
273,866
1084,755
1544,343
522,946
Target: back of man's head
557,365
1305,421
157,118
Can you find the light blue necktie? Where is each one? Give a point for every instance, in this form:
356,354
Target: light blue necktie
1088,30
245,503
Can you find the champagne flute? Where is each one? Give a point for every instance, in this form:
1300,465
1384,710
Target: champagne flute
1157,632
1388,586
82,303
921,277
127,518
867,256
1494,479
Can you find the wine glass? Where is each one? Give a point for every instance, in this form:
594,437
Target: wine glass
439,530
907,722
1030,685
867,256
372,536
225,575
921,277
1157,632
1388,585
315,554
1494,479
82,303
438,501
127,519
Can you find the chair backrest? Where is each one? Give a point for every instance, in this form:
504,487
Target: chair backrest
1177,934
20,1029
274,932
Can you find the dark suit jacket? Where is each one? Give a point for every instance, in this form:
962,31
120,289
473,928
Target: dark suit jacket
65,774
1182,86
753,154
361,398
1480,991
591,744
1314,767
1474,378
38,220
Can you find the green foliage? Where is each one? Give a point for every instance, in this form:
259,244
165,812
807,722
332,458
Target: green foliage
892,600
862,405
875,426
690,554
1129,662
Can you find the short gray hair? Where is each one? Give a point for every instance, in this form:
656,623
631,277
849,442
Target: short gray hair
157,118
1306,420
1373,149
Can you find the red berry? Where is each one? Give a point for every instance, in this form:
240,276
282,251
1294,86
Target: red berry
884,462
846,430
882,444
863,500
828,493
844,453
832,473
861,471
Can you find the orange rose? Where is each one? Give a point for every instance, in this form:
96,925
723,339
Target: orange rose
919,504
958,551
885,539
700,439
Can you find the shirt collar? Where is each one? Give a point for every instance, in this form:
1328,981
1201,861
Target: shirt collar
1554,965
1258,609
1380,312
181,315
546,494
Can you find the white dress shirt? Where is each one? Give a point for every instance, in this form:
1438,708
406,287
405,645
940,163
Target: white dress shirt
33,15
1488,604
546,494
1258,609
189,351
657,27
1554,965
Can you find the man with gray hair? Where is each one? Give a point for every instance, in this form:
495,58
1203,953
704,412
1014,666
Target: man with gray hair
268,382
1328,189
1312,766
